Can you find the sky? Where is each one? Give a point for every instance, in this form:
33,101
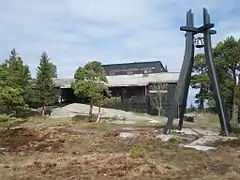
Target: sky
74,32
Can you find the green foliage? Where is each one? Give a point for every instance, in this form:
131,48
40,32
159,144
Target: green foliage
11,101
18,91
14,80
227,60
4,118
44,85
90,81
228,53
31,96
200,80
18,74
137,152
54,70
111,100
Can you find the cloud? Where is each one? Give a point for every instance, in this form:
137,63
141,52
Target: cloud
76,31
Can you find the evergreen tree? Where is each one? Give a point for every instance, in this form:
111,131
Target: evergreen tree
45,90
54,70
14,81
19,74
227,60
228,53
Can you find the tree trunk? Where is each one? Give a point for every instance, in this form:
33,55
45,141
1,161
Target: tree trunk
99,114
234,111
90,111
234,106
159,111
201,100
43,109
160,105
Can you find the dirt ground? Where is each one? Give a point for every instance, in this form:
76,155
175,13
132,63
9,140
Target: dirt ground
97,152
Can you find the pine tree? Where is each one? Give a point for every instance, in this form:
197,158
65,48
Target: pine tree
227,60
19,74
54,70
14,81
228,53
46,93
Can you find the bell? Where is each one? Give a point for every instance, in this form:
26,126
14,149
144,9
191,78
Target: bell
199,42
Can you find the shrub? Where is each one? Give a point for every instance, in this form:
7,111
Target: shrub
137,152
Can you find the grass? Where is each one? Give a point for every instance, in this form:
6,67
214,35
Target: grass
206,121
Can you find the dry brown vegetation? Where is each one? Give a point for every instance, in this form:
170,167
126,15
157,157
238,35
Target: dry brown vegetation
93,151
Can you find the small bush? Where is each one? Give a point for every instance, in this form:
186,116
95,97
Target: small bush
137,152
4,119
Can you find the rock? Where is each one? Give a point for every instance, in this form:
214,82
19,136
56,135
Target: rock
126,135
206,132
194,131
189,118
122,122
210,140
128,129
47,110
154,121
165,137
186,131
199,147
202,143
74,109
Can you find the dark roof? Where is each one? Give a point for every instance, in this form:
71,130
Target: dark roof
134,63
134,68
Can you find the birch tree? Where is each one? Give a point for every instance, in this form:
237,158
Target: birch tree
158,95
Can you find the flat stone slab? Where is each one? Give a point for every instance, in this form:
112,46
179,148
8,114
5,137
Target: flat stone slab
210,140
126,135
186,131
206,132
129,129
165,137
154,121
121,122
201,143
196,132
199,147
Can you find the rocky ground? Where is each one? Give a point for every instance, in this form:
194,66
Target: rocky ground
63,148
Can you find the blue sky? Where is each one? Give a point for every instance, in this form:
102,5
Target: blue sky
73,32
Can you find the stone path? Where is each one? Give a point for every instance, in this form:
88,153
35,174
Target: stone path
201,144
208,137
